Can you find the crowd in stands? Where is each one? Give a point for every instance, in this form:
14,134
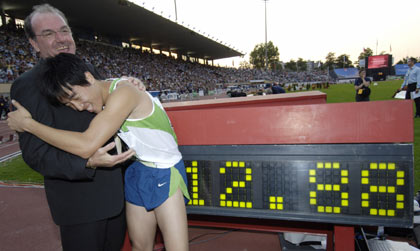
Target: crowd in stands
158,71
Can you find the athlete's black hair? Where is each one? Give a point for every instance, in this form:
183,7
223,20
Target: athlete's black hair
62,72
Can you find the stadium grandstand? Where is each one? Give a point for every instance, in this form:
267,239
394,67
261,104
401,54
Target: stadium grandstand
167,56
344,74
401,69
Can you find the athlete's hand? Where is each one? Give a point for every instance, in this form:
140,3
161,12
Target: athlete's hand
101,158
17,119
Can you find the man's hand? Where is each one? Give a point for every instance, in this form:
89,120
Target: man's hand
417,90
136,82
101,158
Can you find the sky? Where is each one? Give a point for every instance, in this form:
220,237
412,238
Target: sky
304,29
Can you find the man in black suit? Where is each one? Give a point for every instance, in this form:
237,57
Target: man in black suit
87,203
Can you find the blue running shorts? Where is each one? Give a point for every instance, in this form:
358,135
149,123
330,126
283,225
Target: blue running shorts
149,187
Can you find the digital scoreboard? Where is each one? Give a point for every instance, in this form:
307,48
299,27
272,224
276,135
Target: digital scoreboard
357,184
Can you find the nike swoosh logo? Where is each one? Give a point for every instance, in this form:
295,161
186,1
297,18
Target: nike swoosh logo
161,184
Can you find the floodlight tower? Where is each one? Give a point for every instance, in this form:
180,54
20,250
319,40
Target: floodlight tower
176,14
265,47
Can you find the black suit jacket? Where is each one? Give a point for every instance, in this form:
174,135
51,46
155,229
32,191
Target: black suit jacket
75,193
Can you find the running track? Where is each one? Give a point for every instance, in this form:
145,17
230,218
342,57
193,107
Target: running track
9,144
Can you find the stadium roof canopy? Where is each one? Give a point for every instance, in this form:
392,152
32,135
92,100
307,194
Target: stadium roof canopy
124,21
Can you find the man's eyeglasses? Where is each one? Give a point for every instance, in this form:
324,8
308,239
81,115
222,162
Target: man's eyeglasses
49,34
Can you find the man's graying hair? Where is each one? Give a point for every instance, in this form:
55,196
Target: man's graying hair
37,9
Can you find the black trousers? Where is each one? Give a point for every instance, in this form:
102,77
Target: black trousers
411,88
103,235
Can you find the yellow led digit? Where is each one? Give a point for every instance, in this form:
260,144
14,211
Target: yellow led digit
237,183
326,190
379,200
194,173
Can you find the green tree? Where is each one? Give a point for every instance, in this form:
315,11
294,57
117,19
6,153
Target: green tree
291,65
365,53
257,56
301,64
330,61
343,61
404,60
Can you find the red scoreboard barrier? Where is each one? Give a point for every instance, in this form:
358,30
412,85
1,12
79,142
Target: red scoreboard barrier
362,122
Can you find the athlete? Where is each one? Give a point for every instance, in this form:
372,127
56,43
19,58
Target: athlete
155,184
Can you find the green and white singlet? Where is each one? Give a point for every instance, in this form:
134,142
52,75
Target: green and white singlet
152,137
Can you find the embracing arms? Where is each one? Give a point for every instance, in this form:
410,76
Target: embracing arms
119,106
